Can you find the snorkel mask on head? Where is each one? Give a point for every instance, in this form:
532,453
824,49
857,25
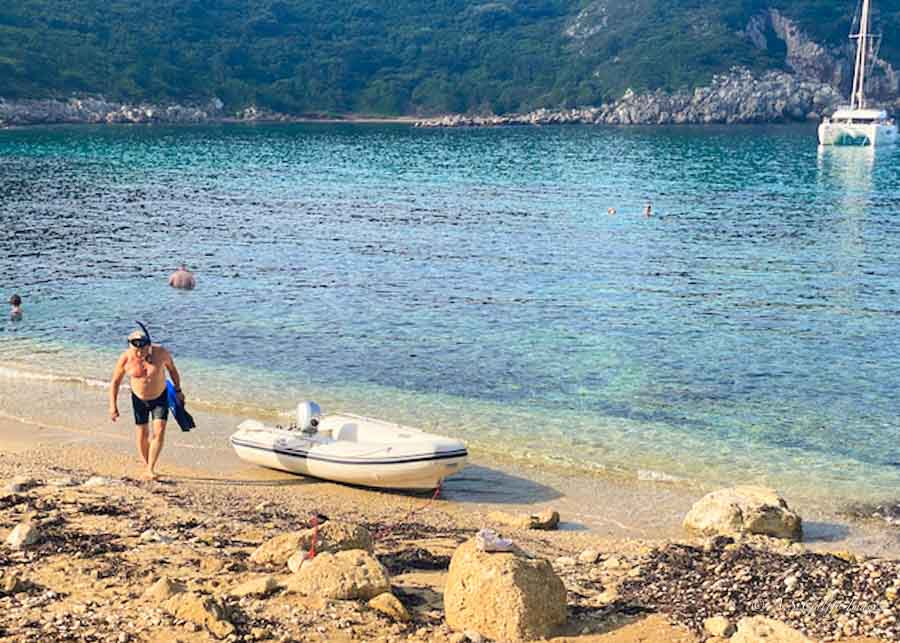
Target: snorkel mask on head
137,340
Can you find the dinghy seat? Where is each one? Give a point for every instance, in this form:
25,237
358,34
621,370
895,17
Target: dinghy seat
348,432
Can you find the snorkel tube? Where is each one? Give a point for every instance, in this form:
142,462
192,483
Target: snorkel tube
144,328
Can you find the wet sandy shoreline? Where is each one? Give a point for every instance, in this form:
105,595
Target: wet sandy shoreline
607,506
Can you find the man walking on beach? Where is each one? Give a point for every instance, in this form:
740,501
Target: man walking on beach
146,364
182,278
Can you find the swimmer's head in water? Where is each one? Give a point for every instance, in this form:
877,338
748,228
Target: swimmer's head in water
15,300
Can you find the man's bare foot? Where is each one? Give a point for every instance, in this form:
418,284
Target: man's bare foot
151,475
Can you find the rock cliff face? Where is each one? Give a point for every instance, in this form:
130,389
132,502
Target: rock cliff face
590,21
807,58
816,85
811,61
737,97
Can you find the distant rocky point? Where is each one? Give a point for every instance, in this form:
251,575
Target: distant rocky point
736,97
93,110
98,110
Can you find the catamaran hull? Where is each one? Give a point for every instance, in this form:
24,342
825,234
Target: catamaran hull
417,463
858,135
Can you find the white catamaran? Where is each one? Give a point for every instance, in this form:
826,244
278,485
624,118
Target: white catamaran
857,124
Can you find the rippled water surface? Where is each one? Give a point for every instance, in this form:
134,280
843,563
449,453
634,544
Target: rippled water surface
472,282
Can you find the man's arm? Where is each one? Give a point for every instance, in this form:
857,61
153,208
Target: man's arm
173,373
117,377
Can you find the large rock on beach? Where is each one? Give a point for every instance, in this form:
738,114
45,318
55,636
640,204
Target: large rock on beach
718,626
506,596
546,519
390,606
760,629
202,610
163,589
20,484
346,575
63,482
262,586
744,510
99,481
332,536
24,535
297,561
10,584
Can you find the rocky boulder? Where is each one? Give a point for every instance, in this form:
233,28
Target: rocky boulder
507,596
718,626
24,535
65,481
202,610
547,519
163,589
390,606
346,575
744,510
10,584
332,536
20,484
760,629
262,586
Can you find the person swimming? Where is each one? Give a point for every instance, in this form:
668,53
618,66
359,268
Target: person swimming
182,278
16,312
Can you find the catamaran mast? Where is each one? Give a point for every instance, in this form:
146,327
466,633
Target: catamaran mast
857,96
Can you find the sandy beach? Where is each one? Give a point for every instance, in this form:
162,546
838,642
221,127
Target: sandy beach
104,545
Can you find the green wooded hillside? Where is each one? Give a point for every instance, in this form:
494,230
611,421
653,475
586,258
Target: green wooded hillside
398,57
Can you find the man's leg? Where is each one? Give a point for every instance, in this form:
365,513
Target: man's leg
143,441
156,445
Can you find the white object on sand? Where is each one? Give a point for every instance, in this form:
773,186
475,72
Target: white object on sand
352,449
489,540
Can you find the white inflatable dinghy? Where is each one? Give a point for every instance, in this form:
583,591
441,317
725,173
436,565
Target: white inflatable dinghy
352,449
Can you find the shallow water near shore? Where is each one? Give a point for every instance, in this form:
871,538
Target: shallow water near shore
472,283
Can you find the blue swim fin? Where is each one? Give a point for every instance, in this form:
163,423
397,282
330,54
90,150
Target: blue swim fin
182,417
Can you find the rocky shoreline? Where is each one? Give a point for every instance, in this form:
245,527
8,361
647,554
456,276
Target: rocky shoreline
195,558
97,110
738,97
735,98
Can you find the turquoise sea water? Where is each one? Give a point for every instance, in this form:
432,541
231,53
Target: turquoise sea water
472,282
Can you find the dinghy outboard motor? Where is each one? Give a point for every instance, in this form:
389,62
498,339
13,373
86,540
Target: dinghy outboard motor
308,416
